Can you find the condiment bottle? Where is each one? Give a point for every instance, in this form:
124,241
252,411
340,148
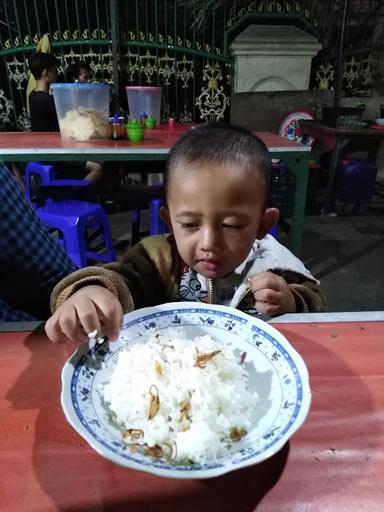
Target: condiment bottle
116,131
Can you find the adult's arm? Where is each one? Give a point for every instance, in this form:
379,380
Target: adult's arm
31,262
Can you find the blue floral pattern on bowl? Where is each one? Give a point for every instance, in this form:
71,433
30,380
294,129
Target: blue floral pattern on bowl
281,380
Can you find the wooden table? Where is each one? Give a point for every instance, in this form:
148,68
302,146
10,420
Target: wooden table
335,139
48,146
334,463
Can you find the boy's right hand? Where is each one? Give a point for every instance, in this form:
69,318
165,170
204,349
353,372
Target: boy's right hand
90,308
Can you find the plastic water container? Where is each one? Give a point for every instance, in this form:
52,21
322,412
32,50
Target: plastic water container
144,101
355,181
82,110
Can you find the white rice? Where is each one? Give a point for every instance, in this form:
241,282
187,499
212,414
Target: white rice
215,397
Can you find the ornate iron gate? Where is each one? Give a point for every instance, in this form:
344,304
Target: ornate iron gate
182,45
159,44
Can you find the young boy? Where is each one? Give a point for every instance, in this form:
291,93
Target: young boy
79,72
216,188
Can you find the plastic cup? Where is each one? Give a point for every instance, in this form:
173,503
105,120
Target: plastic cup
144,101
135,132
82,110
150,122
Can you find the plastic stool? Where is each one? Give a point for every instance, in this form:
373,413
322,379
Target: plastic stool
355,181
63,188
73,219
135,198
274,231
156,225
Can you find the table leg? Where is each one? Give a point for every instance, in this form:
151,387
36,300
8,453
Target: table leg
328,198
299,165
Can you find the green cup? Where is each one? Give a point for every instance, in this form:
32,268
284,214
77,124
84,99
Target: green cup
135,131
150,122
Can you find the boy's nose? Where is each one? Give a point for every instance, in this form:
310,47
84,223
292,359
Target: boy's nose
209,239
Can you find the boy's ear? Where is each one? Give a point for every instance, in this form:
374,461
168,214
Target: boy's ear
164,216
268,219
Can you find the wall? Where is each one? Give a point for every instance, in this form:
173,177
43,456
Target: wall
264,111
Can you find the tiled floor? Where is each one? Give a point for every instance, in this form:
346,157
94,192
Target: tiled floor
347,255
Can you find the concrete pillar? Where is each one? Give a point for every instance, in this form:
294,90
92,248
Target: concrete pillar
273,58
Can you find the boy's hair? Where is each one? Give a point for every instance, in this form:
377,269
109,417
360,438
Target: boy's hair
73,70
220,144
40,61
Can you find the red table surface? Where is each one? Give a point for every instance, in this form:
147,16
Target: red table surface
158,138
334,462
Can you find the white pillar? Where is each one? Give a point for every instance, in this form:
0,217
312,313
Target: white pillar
273,58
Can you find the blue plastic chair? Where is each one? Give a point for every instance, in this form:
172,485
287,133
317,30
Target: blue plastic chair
137,198
76,221
274,231
156,225
44,176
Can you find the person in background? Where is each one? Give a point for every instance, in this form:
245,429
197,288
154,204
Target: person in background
41,103
31,262
216,188
44,117
79,72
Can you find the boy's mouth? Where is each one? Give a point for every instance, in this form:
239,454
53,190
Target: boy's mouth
210,265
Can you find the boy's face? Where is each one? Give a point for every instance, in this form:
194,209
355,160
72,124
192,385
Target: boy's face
216,214
51,74
84,76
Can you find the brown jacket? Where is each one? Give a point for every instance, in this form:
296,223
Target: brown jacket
151,271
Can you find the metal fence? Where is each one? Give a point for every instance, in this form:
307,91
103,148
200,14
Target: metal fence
159,43
182,45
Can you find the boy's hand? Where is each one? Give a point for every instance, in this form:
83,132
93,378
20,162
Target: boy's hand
90,308
272,294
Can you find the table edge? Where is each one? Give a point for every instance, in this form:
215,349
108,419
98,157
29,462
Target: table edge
28,326
347,316
289,318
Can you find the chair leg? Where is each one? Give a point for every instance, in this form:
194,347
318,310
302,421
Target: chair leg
74,219
157,226
135,229
274,231
107,237
73,244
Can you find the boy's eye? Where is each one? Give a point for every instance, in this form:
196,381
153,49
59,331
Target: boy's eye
231,226
189,225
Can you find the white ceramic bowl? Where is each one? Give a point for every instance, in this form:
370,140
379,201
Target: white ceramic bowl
281,380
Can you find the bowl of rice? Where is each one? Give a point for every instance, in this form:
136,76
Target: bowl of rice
188,390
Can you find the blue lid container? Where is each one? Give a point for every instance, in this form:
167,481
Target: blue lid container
82,110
